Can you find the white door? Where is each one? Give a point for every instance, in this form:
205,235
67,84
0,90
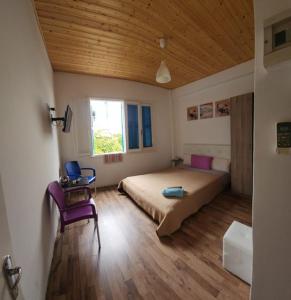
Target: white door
5,248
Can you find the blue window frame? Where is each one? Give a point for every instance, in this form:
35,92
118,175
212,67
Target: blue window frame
139,127
147,126
133,126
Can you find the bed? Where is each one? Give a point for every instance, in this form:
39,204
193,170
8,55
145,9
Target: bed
200,186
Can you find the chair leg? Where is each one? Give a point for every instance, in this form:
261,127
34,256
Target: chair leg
95,188
62,241
62,228
98,235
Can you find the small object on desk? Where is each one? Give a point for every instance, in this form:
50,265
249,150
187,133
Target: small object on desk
83,181
176,161
66,183
64,180
75,173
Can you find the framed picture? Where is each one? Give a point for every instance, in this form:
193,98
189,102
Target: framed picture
222,108
192,113
206,110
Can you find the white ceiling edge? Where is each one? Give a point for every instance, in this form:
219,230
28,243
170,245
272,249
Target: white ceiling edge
241,70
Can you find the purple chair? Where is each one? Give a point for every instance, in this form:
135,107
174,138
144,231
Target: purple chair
84,209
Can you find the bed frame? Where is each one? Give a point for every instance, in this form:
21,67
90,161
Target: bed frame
215,150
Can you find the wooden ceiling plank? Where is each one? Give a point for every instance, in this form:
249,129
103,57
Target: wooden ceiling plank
219,31
103,14
73,32
62,47
228,22
122,55
184,71
179,13
119,38
244,21
167,25
79,70
123,66
94,70
101,61
94,21
100,66
139,38
239,19
184,30
78,51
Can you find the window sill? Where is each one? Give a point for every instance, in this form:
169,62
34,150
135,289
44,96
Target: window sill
145,150
103,154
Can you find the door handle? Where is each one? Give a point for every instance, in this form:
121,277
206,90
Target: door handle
12,275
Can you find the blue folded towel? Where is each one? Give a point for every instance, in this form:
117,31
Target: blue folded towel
173,192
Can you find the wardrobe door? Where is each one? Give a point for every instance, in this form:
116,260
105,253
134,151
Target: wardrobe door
242,144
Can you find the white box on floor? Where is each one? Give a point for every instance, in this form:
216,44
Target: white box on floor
238,251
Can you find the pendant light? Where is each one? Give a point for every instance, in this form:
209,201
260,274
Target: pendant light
163,74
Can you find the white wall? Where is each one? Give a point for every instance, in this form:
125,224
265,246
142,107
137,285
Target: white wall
29,152
272,172
5,245
232,82
73,88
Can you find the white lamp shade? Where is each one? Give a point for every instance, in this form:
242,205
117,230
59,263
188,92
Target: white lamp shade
163,74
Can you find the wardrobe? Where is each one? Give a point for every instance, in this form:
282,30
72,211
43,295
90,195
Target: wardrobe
242,123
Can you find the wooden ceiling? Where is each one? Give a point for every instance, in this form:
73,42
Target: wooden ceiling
120,38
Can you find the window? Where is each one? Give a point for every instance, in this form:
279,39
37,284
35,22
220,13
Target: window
107,126
147,126
139,123
120,127
133,126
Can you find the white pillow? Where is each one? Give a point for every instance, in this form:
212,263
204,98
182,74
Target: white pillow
221,164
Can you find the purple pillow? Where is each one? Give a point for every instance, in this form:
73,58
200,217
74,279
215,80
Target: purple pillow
201,161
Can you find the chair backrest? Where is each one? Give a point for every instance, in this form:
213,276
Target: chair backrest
57,193
73,169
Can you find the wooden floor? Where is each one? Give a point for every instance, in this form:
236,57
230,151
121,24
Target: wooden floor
134,263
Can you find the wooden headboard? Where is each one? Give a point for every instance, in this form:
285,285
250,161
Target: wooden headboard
221,151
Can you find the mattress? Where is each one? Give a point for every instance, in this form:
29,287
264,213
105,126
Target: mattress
200,186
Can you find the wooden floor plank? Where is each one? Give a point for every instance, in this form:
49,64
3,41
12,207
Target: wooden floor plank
134,263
